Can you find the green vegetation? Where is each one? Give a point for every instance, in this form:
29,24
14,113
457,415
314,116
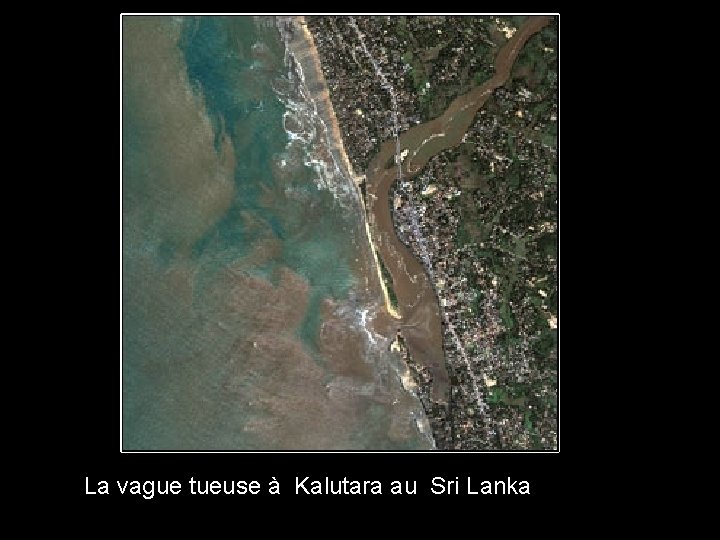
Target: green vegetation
538,60
509,226
501,280
462,237
507,316
499,395
450,53
496,395
387,278
482,74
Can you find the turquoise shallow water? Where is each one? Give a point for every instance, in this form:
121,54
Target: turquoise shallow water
235,75
231,253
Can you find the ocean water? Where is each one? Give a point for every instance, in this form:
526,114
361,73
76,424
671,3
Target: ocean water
245,312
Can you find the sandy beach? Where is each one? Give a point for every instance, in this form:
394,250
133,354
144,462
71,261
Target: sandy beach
302,46
418,309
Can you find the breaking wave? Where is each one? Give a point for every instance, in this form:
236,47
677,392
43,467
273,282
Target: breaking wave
307,131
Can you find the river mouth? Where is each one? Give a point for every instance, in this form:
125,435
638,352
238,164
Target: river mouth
421,321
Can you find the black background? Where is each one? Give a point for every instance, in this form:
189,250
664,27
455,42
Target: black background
96,454
540,470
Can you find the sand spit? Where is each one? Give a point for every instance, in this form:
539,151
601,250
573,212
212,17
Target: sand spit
417,300
418,308
301,45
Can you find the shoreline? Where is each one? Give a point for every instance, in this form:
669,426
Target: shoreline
301,45
321,95
428,334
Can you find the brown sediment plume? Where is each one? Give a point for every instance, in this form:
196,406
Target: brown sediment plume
271,374
287,397
360,383
343,349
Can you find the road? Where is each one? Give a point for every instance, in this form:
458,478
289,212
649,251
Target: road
417,302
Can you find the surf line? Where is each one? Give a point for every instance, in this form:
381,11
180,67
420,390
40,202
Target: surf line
332,129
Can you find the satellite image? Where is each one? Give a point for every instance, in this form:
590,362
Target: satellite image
339,233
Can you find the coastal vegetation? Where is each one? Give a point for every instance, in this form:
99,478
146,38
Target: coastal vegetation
387,279
477,209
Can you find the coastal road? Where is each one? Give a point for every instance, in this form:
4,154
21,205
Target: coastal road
417,301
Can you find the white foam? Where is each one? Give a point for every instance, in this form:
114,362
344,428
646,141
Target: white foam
313,135
363,323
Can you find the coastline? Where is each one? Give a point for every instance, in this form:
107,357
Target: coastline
422,322
301,45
